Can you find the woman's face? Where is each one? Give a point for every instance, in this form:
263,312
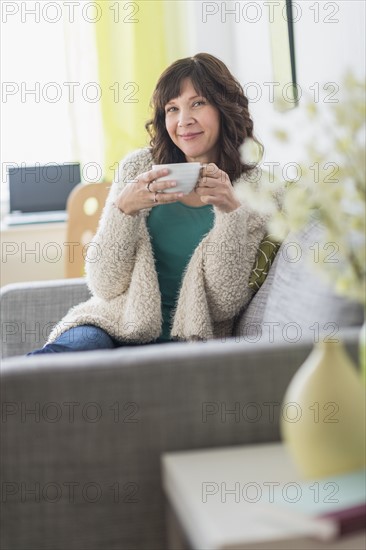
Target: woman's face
193,125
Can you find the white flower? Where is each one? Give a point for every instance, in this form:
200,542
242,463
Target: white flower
332,185
250,151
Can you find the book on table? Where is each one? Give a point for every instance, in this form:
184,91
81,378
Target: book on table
320,509
252,497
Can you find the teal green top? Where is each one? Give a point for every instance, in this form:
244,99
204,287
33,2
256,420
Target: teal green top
175,230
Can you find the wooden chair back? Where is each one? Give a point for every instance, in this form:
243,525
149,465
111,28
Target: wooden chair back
84,208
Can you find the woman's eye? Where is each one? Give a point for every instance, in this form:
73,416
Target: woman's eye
173,108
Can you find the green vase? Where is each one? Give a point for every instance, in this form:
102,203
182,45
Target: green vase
362,351
323,414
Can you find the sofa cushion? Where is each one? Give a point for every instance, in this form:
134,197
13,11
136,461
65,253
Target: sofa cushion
295,300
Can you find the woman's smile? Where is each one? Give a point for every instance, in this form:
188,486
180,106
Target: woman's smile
190,136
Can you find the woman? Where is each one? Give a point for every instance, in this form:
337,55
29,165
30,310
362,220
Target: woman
168,266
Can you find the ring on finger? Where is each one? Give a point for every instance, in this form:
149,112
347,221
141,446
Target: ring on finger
148,186
156,196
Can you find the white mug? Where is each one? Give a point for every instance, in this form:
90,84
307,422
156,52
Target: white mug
186,175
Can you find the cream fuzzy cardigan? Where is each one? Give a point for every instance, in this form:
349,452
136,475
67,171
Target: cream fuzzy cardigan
121,274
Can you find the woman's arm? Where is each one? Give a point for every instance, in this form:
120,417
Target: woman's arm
228,255
111,253
229,250
113,249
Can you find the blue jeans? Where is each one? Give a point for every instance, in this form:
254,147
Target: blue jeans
81,338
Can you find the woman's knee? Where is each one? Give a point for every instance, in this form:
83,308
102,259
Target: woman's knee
80,338
86,337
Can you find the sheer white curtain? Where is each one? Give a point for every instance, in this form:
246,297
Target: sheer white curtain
49,109
85,111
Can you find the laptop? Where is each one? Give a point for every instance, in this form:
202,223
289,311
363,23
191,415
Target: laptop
38,194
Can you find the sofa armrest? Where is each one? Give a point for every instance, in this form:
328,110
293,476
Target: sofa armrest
102,419
30,310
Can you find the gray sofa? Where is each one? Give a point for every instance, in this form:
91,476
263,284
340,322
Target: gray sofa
82,433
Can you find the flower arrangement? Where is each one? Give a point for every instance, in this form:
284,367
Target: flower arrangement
329,184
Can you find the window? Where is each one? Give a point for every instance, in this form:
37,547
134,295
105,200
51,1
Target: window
50,106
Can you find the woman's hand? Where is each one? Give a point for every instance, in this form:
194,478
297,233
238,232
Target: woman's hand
145,192
214,187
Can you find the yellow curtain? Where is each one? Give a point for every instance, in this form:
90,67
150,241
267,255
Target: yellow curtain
136,41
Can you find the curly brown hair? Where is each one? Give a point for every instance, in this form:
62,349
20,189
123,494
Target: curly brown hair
211,79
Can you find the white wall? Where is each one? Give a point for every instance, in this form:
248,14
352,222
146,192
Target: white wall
329,39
